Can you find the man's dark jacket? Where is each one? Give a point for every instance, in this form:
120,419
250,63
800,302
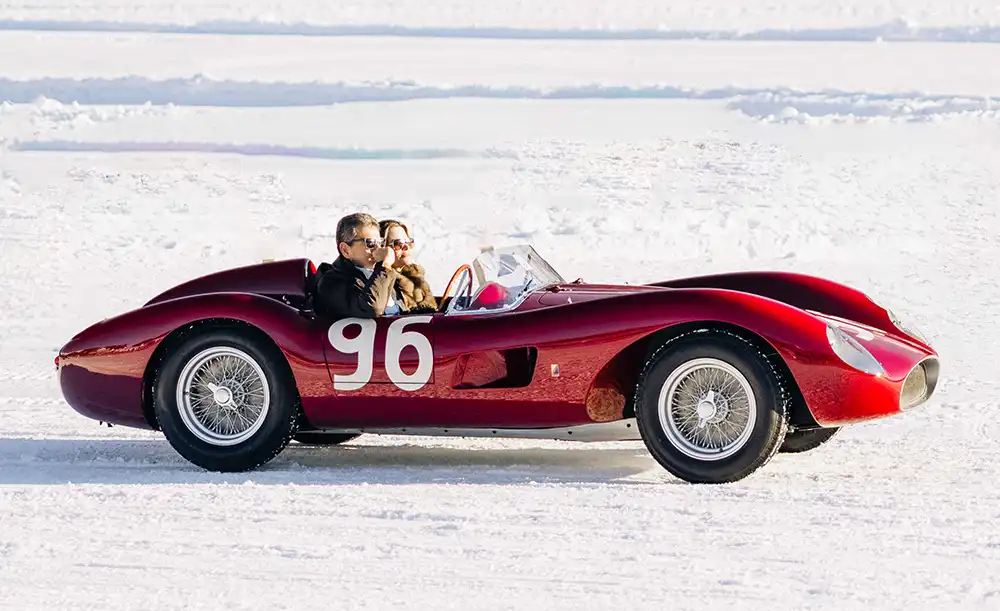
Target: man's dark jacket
342,290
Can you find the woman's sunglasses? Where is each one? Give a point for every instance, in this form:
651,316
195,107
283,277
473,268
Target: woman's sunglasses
399,244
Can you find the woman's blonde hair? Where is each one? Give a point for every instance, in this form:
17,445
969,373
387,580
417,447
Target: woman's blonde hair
386,225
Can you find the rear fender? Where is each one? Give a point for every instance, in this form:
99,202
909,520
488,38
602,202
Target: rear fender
117,358
153,322
289,279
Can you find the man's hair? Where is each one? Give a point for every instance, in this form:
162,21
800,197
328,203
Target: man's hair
348,226
387,224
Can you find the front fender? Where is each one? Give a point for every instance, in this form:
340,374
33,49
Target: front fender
641,313
799,290
833,392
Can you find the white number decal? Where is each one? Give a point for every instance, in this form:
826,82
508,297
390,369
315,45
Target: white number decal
364,346
394,344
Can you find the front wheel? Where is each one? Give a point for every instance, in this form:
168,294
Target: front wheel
225,399
710,407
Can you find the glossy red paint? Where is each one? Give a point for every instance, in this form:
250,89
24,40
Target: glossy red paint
546,402
594,336
578,293
106,383
840,395
582,336
103,367
800,290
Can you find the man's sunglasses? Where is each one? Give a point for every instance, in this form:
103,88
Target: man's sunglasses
369,242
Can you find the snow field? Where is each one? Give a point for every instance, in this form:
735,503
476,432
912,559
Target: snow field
791,19
873,164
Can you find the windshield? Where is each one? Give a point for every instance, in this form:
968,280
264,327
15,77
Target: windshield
502,278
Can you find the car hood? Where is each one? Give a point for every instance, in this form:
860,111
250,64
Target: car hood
809,293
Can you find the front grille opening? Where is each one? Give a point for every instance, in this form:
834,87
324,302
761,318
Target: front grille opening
919,384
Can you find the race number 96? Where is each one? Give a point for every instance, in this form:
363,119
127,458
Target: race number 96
397,339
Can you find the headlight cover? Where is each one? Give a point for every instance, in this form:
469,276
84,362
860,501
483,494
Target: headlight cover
896,320
906,328
852,352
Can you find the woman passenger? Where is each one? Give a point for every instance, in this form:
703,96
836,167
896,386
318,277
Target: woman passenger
412,286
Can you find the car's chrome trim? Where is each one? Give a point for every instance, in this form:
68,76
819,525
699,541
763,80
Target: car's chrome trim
619,430
932,373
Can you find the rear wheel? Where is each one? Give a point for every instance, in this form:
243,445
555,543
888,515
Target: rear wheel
226,400
710,407
803,441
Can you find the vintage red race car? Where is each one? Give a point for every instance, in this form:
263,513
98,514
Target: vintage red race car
714,374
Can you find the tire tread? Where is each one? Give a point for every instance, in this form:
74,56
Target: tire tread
783,402
246,457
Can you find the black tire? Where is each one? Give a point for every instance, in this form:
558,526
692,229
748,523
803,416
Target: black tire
274,429
324,439
803,441
755,445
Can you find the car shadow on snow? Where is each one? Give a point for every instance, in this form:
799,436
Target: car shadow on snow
151,462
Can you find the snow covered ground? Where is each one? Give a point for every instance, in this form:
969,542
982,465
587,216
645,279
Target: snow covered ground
966,20
142,144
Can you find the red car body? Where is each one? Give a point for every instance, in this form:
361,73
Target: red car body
565,356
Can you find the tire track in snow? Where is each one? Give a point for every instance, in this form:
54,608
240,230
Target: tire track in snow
893,31
355,463
121,452
255,150
31,375
763,103
8,183
986,427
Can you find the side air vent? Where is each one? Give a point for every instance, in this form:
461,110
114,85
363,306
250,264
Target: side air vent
513,368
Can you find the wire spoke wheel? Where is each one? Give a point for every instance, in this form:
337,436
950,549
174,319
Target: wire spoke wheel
710,406
223,396
707,409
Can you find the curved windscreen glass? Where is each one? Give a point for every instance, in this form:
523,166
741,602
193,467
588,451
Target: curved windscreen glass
502,278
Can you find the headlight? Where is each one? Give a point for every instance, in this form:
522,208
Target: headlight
852,352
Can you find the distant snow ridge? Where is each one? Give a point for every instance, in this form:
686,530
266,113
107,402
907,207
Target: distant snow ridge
254,149
52,111
898,30
788,107
768,104
202,91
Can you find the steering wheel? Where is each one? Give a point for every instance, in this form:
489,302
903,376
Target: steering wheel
462,269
